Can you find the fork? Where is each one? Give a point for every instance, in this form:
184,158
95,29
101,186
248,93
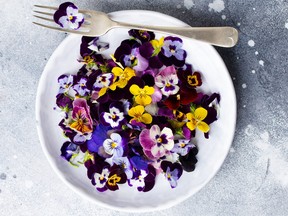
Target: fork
98,23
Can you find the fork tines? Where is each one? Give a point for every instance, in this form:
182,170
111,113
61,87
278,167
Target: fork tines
48,16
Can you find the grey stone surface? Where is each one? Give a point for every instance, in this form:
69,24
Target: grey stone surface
253,179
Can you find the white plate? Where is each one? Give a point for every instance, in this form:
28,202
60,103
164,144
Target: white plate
212,152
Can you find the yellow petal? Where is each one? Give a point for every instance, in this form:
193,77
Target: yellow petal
113,86
189,116
191,125
136,111
200,113
130,72
143,100
161,41
134,89
122,83
131,112
148,90
102,92
117,71
155,43
203,126
146,118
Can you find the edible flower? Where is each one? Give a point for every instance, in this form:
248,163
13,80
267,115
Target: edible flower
195,120
172,172
114,145
167,81
68,17
115,116
142,95
123,76
138,114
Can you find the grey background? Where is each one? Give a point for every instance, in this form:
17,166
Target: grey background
254,177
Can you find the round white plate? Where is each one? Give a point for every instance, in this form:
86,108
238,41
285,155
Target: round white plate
212,151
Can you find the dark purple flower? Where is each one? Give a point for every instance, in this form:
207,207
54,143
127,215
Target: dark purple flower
116,176
172,172
172,52
115,117
189,160
141,35
67,16
68,149
64,102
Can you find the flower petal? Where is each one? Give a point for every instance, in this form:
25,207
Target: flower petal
204,127
146,118
200,113
134,89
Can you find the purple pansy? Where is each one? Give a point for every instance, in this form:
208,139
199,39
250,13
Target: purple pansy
189,160
65,83
167,81
172,172
103,81
67,16
172,52
182,146
81,87
125,165
95,144
115,117
142,36
68,149
114,145
155,142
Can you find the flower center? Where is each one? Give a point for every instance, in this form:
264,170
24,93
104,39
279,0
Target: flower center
113,180
70,17
182,145
168,175
113,116
168,84
132,57
172,51
113,145
101,178
192,80
159,140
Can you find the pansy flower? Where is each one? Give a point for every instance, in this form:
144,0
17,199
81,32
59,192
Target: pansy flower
122,77
81,87
141,35
115,117
102,83
142,95
125,165
116,176
81,119
195,120
172,52
172,172
65,83
167,81
137,114
155,142
189,160
68,149
67,16
182,146
114,145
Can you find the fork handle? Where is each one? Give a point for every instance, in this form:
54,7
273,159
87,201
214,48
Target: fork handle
218,36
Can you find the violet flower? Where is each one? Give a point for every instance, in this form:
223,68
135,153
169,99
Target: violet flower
155,142
114,145
65,83
172,172
125,165
68,17
81,87
115,117
182,146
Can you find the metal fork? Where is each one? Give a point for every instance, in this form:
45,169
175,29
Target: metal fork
98,23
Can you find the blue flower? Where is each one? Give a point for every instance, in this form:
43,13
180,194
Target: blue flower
98,136
182,146
172,172
114,145
125,165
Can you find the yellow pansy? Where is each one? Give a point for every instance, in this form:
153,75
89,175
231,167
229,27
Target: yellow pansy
138,114
157,45
142,95
195,120
122,77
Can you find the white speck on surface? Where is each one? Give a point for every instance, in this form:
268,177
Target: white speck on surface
244,85
188,4
244,106
217,6
15,156
254,9
232,150
234,78
28,184
253,71
238,24
256,53
261,62
251,43
178,6
223,17
249,130
237,57
286,25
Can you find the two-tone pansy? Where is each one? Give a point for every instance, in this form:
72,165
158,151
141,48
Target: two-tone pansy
102,83
172,172
113,146
182,146
65,83
114,117
167,81
68,16
81,120
156,142
81,88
